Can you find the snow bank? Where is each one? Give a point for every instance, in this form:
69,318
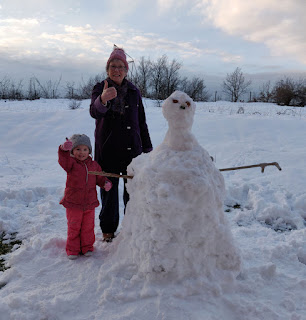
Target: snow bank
43,284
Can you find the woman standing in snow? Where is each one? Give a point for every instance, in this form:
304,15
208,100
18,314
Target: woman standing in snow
121,133
80,199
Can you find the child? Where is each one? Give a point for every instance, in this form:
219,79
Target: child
80,199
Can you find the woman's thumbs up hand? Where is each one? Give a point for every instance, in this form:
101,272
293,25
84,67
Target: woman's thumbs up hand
108,93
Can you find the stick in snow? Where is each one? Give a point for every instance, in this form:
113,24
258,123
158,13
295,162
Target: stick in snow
261,165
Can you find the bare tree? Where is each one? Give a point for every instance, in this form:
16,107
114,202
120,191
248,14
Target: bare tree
235,85
49,89
85,88
4,88
16,91
172,77
183,85
195,88
284,91
265,94
33,92
164,77
158,78
143,75
300,93
11,90
71,91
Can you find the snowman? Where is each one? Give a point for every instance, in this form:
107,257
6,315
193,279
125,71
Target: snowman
174,226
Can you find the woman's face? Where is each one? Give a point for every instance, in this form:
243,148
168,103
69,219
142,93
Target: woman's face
117,71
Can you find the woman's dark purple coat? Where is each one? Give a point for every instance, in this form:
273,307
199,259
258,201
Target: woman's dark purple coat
119,138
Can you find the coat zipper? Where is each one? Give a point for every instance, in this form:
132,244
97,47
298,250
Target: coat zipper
86,186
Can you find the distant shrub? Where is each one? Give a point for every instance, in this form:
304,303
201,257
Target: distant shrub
74,104
288,92
240,110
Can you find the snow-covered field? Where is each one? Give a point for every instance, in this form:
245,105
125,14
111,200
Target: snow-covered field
266,213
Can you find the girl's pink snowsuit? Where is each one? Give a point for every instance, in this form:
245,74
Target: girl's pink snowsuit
80,201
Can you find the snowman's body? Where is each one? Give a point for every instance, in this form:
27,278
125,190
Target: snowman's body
174,222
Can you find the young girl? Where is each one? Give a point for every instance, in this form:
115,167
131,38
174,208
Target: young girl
80,199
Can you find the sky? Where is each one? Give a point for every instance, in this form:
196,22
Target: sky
210,38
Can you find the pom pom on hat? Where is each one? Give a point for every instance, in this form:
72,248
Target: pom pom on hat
80,139
120,55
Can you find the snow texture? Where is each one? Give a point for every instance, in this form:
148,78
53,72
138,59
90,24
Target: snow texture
168,261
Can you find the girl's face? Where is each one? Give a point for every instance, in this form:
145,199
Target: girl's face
117,71
81,152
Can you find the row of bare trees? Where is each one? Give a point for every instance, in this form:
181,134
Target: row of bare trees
83,89
36,89
157,80
11,90
284,92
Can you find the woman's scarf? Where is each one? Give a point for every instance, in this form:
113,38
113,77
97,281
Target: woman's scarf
119,102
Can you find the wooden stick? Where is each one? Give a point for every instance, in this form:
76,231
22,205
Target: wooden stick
261,165
106,174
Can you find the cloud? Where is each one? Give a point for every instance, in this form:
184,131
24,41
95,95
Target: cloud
16,33
24,39
279,24
80,36
43,8
172,5
118,9
178,49
165,5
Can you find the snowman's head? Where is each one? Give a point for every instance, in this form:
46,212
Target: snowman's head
179,110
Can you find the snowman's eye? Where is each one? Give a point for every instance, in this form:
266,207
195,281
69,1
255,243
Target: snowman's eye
175,101
188,103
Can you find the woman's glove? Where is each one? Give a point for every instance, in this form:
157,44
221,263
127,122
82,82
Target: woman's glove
67,145
108,185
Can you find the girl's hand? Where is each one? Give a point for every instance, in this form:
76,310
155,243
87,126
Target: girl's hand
67,145
107,186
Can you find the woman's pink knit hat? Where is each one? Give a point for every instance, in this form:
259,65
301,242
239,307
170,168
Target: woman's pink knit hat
120,55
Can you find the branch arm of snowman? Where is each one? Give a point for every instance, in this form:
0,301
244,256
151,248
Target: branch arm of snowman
112,175
261,165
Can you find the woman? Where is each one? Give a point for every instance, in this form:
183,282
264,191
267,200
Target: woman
121,133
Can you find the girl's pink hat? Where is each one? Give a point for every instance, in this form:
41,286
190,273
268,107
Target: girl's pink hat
120,55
